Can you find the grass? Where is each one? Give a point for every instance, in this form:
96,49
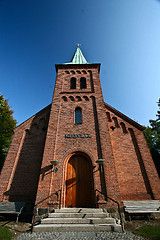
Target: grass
150,232
5,233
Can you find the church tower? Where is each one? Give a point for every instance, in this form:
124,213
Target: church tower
76,128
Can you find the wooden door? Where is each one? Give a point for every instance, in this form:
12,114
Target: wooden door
79,186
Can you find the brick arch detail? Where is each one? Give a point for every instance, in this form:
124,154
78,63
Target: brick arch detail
71,98
116,123
78,98
70,152
85,98
123,127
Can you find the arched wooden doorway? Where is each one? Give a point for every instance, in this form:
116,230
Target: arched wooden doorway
79,182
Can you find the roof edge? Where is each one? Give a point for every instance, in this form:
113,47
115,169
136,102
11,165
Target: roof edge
124,117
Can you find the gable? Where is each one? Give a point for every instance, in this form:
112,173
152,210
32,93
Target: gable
35,119
123,117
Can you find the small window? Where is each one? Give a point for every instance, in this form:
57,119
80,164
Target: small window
73,83
78,115
82,83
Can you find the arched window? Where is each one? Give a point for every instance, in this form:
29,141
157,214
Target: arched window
82,83
73,83
78,115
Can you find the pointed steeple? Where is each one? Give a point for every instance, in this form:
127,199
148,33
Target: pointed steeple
78,57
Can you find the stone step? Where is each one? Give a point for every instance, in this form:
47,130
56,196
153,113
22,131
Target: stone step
79,210
77,227
78,215
78,221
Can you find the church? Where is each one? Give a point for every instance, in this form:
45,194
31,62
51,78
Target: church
78,150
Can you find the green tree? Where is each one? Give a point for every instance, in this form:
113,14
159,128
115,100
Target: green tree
7,124
152,135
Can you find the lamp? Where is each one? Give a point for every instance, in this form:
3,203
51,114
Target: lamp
100,162
55,163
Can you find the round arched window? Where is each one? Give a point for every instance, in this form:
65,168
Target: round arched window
78,115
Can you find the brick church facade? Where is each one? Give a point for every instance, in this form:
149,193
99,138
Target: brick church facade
98,150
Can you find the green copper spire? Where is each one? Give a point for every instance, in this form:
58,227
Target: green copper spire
78,57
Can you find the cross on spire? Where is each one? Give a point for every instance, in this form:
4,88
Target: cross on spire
78,44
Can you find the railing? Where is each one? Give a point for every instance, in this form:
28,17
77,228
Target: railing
58,194
119,211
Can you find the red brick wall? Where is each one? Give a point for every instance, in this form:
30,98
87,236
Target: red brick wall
137,176
20,174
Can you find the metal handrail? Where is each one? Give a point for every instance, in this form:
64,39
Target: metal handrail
120,216
35,206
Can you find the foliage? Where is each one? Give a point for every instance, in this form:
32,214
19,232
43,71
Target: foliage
5,233
152,135
7,124
151,232
158,112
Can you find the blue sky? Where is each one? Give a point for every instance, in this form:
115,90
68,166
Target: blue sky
122,35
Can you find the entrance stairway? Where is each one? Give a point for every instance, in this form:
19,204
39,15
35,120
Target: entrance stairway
77,220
